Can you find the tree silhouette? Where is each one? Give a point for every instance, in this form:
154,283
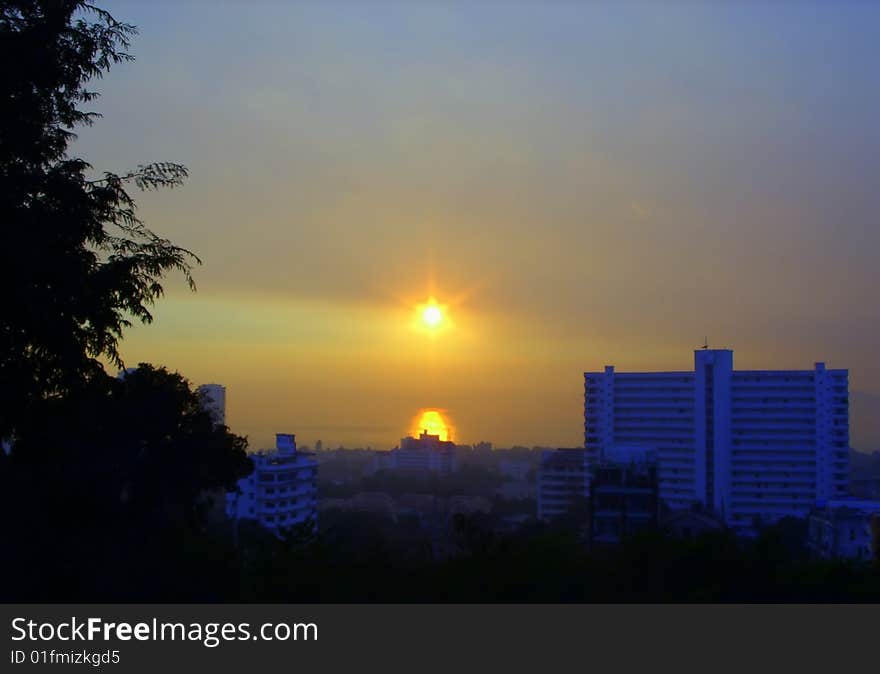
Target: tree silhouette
106,479
78,265
133,466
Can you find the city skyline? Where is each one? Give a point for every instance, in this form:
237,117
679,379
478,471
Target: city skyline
593,284
583,186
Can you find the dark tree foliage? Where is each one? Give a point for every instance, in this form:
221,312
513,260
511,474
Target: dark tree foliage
106,484
77,264
361,557
111,487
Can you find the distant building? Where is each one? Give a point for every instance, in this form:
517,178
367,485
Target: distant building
425,454
282,490
690,523
563,480
467,505
515,469
510,524
519,482
214,401
369,502
212,398
517,490
421,506
743,443
844,528
623,496
379,461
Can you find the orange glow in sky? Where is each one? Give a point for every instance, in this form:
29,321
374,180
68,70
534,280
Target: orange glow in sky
432,421
560,209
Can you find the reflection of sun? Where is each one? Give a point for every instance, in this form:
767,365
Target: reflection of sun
432,422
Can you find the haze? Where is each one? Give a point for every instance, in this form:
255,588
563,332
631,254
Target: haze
583,183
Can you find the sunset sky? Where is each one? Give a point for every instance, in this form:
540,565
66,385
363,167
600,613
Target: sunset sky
579,184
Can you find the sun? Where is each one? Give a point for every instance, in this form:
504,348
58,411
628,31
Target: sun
432,421
432,315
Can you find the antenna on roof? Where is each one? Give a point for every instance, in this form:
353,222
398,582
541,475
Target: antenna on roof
705,343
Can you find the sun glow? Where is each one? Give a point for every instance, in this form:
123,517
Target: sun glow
433,422
431,314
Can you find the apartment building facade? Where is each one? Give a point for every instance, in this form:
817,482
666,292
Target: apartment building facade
282,490
743,443
623,497
563,480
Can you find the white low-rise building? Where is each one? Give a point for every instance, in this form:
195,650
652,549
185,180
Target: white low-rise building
282,490
843,528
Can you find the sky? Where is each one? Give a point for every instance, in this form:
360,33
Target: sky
580,184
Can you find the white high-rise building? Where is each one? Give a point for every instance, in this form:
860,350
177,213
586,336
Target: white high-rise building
282,491
746,443
214,401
